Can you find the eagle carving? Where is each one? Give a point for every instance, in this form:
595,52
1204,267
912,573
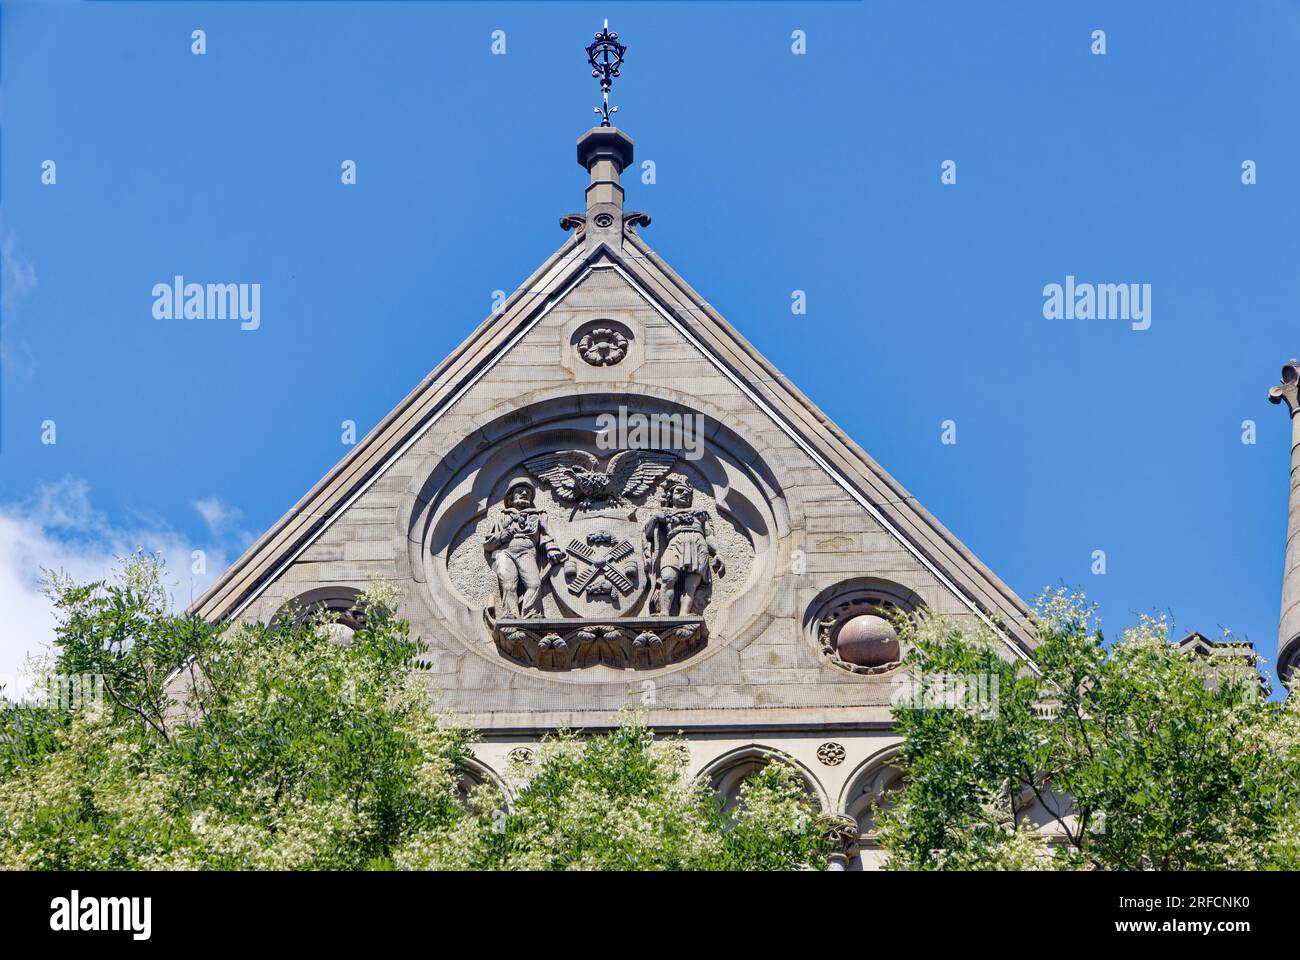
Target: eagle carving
576,477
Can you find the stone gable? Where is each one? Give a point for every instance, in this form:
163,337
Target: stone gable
739,571
795,544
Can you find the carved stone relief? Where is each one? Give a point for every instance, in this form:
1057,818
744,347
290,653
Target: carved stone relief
576,477
606,565
572,556
681,550
518,541
602,347
831,753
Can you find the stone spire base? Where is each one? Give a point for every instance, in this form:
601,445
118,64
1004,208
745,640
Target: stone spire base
605,152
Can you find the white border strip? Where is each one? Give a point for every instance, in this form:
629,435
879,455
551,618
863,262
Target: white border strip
744,387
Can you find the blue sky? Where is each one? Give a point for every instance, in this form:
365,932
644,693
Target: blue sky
775,172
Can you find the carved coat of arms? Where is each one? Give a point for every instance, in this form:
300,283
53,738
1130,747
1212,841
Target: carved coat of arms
603,573
599,564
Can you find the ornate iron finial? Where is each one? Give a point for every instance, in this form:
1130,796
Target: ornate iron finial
605,56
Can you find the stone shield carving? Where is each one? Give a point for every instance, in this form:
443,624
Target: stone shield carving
603,573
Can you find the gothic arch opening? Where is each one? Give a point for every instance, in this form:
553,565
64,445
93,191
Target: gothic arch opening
727,773
867,792
475,773
341,604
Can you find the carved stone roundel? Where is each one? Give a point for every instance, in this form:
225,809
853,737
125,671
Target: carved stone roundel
855,624
603,347
831,753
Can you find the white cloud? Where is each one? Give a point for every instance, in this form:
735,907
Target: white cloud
17,279
224,523
57,529
221,518
16,272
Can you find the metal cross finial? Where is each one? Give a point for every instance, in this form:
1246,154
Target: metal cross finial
605,56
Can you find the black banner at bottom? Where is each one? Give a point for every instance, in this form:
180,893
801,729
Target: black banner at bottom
339,909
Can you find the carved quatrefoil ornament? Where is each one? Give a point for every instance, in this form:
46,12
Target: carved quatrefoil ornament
831,753
603,347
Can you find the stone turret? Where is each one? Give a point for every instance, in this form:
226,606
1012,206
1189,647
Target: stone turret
605,152
1288,637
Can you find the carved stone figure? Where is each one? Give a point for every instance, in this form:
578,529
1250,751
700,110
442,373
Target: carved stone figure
575,476
680,550
517,536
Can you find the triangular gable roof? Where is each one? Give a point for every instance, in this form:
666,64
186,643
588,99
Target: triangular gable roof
844,461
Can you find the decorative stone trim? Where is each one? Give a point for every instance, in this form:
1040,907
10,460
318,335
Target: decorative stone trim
602,347
635,218
843,833
631,220
837,606
567,644
831,753
521,755
839,615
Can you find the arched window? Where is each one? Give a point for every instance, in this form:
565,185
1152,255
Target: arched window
867,792
475,773
726,773
342,603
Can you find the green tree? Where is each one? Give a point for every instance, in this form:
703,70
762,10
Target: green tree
623,801
1132,756
291,750
294,751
